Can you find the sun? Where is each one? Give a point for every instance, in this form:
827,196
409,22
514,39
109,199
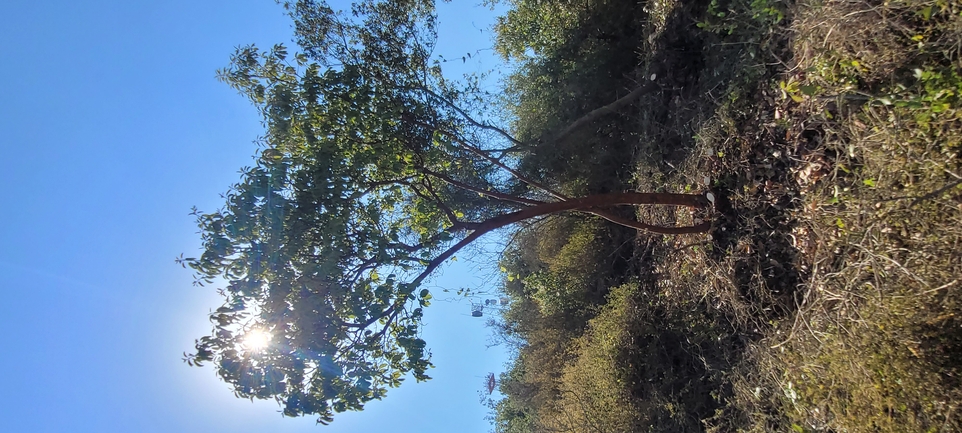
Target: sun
256,340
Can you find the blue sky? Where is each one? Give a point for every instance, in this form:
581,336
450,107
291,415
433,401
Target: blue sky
112,126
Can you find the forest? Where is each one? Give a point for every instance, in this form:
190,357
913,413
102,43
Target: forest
722,216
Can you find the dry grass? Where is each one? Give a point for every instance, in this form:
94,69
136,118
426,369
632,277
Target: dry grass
876,342
837,253
841,249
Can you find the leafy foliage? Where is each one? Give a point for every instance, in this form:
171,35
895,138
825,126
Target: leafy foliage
325,241
571,56
565,285
371,177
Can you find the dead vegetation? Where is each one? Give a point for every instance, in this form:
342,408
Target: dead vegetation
840,248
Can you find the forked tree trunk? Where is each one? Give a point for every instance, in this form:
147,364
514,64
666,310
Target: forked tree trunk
584,204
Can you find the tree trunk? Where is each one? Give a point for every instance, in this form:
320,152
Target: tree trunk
584,204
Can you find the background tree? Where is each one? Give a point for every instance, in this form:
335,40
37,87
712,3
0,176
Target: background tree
372,175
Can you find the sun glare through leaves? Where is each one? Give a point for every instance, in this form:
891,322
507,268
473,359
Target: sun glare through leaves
257,340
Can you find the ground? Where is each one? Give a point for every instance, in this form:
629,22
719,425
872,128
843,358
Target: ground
826,296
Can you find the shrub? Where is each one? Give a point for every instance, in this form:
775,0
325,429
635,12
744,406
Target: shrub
567,284
593,392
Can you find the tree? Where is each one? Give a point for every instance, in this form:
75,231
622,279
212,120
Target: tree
372,175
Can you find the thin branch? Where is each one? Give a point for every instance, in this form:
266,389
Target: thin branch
479,152
698,228
579,204
393,316
584,204
607,109
452,217
935,193
481,191
468,117
371,186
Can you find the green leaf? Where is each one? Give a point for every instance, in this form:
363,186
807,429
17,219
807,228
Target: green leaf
808,90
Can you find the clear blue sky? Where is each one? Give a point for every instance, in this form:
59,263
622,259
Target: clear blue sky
112,126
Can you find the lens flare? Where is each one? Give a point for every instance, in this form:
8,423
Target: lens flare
257,340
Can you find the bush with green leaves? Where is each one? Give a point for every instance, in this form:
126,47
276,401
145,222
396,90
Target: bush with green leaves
571,274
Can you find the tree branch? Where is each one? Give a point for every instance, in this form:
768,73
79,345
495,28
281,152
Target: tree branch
468,118
599,212
610,108
698,228
583,204
452,217
579,204
481,191
479,152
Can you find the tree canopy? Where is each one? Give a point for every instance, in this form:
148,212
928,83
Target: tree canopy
372,174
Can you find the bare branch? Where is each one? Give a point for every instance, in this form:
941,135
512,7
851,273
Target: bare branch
477,151
468,117
607,109
482,191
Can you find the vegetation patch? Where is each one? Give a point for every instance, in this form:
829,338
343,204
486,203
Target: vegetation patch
875,119
826,297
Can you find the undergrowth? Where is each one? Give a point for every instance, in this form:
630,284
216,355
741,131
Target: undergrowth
827,296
